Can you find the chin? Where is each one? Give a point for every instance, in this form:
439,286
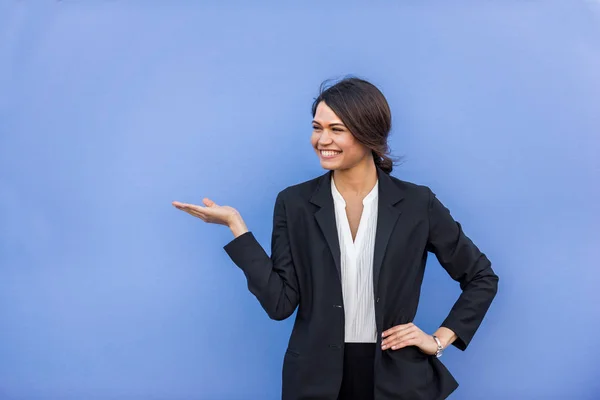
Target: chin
329,165
332,167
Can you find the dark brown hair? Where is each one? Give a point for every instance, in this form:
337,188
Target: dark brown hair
365,112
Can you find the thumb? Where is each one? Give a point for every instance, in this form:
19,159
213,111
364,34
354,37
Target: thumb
208,202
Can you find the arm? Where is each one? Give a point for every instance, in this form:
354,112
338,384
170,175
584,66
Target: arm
271,279
465,264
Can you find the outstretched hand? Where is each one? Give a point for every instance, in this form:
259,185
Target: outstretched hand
211,212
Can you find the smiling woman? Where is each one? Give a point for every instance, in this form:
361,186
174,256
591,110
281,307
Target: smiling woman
353,119
349,250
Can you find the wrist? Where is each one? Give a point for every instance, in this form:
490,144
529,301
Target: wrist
446,336
439,346
237,225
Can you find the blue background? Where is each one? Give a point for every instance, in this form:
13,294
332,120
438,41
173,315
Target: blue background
110,110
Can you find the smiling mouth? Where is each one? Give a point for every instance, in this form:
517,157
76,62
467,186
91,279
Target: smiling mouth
329,153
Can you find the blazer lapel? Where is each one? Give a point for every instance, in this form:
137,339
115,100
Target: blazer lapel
387,216
325,217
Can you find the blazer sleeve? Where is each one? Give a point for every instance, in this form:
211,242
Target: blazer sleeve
465,264
271,279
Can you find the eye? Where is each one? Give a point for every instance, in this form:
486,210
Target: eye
316,128
338,130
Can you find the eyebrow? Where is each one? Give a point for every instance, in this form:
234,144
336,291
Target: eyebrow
334,124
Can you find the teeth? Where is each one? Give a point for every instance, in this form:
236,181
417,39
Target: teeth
329,153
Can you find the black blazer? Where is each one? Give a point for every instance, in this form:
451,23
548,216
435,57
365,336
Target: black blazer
304,271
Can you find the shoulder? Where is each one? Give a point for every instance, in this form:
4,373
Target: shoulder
413,191
302,190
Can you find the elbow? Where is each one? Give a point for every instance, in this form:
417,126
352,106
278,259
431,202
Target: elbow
491,278
282,309
488,280
495,286
280,314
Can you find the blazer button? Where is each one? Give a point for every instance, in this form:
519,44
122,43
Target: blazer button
377,300
337,306
335,346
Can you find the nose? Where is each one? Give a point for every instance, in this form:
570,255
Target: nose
324,139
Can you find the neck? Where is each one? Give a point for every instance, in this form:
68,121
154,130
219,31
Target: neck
356,181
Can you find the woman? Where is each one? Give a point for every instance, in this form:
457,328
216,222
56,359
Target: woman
349,249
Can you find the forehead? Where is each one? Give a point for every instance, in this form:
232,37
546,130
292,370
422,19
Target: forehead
324,114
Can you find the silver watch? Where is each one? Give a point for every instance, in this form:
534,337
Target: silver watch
440,349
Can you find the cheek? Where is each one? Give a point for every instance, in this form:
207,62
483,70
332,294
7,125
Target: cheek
354,149
314,139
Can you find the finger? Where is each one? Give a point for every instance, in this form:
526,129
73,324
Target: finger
194,211
187,209
398,342
397,328
412,330
208,202
192,207
405,343
198,213
179,204
401,336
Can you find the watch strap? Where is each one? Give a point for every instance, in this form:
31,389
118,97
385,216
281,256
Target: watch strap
440,348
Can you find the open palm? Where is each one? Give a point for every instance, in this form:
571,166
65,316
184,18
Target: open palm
211,212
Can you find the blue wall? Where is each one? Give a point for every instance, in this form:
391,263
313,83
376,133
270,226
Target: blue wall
111,110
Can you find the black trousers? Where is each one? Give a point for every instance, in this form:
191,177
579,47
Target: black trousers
357,381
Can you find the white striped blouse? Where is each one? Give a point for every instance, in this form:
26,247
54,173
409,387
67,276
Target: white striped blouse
357,267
